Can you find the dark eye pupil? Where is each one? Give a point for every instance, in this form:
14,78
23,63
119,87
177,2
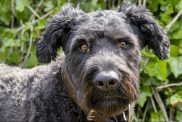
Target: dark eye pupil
84,48
123,44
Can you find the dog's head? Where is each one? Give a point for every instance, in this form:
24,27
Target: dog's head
103,52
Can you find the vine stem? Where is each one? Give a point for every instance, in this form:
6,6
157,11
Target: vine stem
36,10
13,13
139,2
153,104
29,48
35,21
160,102
144,2
169,85
32,10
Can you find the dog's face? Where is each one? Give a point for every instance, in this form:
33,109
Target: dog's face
103,53
103,57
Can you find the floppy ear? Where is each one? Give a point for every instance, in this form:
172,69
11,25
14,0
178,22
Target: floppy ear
148,30
56,33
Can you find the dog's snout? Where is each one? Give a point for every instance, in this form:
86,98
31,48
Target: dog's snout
106,80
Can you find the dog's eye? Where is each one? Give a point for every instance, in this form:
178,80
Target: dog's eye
123,42
123,45
84,48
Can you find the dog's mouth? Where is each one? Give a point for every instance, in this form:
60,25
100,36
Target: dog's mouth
110,105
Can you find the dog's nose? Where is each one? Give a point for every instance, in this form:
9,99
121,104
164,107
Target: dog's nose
106,80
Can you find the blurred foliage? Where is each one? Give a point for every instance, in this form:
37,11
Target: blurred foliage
22,21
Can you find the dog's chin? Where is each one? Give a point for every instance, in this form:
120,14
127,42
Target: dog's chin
109,106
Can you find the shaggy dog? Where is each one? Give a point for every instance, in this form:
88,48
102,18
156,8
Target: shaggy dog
96,80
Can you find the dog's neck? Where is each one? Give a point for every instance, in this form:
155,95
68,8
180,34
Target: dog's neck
92,115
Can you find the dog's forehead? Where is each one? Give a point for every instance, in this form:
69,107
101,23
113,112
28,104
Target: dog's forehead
108,22
103,20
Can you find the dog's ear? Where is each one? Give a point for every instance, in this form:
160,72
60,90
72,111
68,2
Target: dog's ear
149,32
56,33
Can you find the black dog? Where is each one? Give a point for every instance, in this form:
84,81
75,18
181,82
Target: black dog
98,77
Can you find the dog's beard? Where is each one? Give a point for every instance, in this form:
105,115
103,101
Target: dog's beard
113,102
109,106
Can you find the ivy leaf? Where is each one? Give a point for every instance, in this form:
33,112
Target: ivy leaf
5,12
179,115
175,64
157,69
174,51
168,11
48,6
148,54
32,60
21,4
9,42
177,34
157,117
151,81
60,2
145,92
153,5
175,99
179,5
176,27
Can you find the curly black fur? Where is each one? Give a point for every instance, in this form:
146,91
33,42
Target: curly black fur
40,94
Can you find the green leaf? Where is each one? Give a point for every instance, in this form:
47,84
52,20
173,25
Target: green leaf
9,42
28,25
21,4
176,27
157,69
32,60
144,93
12,56
177,34
168,10
175,99
157,117
148,54
5,11
60,2
23,16
172,2
179,115
151,81
153,5
175,64
174,51
48,6
41,24
179,5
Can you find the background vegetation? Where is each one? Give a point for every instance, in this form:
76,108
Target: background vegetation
22,21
